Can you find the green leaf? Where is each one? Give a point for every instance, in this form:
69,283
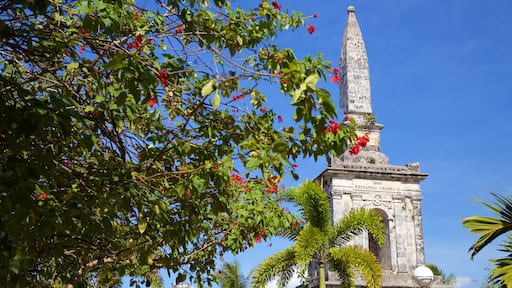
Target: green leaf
208,88
253,163
311,80
142,225
216,100
72,66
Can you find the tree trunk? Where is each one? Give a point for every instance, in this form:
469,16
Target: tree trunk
321,272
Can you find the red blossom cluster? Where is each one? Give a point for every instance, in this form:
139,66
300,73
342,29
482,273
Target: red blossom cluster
276,5
284,81
263,109
311,29
137,43
347,118
179,29
260,236
333,127
43,196
335,75
152,102
272,190
162,76
315,15
237,97
238,179
361,143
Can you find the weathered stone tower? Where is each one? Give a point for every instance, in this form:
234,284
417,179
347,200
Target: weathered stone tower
368,180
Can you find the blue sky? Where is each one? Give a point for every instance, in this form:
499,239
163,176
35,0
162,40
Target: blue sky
441,79
441,75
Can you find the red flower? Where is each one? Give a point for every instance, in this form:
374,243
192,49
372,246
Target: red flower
280,119
44,196
284,81
137,43
363,140
333,127
257,239
264,108
163,77
238,97
311,29
179,29
239,180
294,223
294,165
137,16
272,190
347,118
280,74
355,150
276,5
152,102
335,75
188,192
315,15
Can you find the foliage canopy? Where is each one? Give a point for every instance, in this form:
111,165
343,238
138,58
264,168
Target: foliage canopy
137,138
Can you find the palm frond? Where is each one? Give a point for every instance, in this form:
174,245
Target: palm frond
309,241
355,257
355,222
488,227
313,203
276,265
502,273
231,276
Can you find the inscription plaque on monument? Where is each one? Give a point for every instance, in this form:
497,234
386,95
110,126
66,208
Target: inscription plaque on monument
377,186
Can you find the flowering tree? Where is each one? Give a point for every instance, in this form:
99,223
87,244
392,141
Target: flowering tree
136,138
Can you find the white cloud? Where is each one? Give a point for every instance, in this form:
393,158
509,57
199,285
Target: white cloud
294,282
464,282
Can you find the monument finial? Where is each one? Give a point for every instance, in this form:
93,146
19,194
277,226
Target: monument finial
355,95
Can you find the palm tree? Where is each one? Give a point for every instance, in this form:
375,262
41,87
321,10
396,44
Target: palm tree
491,228
448,280
231,277
322,243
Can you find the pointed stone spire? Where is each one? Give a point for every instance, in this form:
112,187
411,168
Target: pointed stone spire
355,97
355,94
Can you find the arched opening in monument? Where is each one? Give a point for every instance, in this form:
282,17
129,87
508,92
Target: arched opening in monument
383,253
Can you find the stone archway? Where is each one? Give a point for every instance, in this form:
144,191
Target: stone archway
383,253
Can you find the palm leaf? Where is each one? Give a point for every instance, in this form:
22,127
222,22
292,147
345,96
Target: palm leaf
355,222
309,242
279,264
313,204
347,258
488,227
231,277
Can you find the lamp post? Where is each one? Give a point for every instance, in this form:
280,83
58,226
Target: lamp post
423,276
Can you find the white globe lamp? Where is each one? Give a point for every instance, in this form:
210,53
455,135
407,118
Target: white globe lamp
423,276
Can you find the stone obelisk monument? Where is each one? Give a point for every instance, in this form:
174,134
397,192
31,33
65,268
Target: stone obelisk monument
368,179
